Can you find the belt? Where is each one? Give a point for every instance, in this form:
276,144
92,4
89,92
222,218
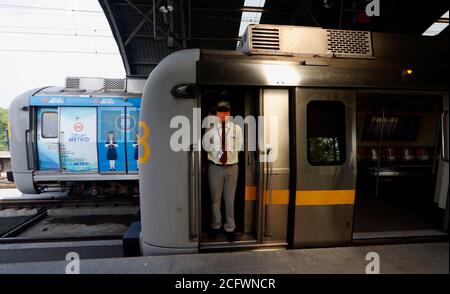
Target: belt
222,165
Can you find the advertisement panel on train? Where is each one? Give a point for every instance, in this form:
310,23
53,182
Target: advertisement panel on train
78,139
87,134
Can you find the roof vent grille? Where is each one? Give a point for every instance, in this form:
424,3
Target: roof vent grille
349,43
115,84
265,38
72,83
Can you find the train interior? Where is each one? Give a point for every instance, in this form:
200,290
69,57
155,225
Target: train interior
397,161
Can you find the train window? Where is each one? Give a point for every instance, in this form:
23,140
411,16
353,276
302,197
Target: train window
49,124
326,132
395,128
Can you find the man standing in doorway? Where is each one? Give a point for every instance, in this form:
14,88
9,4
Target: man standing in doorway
225,141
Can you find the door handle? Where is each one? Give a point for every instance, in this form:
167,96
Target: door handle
60,142
193,188
268,232
28,149
444,136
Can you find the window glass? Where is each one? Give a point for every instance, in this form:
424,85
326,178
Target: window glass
50,125
326,132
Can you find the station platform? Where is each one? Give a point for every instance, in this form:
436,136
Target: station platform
418,258
15,194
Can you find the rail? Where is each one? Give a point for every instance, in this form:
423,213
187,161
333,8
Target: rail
13,203
193,195
268,232
444,136
24,225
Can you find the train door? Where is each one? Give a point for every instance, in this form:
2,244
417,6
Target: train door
402,183
326,167
78,139
273,166
262,193
48,139
132,132
112,127
442,185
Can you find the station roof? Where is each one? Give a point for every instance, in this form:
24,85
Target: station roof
146,33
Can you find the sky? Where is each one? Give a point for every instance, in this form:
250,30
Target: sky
41,41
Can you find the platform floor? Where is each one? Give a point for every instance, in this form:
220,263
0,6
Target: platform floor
15,194
420,258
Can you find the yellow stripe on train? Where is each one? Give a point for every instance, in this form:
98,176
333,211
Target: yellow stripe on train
325,197
316,197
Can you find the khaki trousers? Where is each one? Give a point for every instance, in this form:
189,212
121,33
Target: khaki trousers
223,180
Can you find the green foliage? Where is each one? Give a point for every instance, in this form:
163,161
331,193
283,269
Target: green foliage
324,150
3,128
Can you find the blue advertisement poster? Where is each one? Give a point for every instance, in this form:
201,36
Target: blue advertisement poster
78,139
47,138
111,139
132,131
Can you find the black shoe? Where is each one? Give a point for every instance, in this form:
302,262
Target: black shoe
214,233
231,237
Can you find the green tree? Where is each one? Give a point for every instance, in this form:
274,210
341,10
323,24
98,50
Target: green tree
3,128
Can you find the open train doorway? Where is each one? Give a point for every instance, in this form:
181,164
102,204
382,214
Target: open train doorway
243,102
262,191
401,183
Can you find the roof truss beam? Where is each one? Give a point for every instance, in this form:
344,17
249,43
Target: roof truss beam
142,22
147,18
116,33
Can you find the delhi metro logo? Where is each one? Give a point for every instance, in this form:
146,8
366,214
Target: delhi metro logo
78,127
125,123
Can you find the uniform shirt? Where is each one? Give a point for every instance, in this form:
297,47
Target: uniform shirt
212,142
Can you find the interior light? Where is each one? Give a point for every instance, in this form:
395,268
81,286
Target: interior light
438,26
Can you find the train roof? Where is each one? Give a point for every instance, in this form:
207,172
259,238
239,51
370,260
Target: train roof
96,87
296,44
314,57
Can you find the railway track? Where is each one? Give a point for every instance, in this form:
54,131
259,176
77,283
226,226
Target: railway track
42,206
24,225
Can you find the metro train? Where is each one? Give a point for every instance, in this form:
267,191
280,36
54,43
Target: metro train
362,140
81,138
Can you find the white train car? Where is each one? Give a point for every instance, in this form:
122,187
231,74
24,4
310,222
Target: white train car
81,138
338,95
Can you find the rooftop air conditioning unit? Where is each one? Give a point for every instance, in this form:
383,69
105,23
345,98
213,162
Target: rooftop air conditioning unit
114,85
84,84
297,40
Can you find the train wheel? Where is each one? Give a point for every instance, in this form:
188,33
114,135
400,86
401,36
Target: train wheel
77,190
97,192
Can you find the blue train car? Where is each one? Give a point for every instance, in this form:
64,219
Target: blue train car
82,139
